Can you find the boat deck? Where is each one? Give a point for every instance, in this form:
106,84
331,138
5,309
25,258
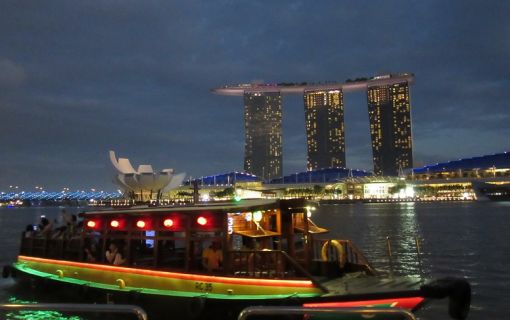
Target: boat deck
359,285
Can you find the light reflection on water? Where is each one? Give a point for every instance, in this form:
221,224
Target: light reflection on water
466,239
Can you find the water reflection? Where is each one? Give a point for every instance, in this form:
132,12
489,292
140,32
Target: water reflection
369,226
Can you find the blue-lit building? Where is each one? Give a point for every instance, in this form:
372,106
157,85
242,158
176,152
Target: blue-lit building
224,179
327,175
487,166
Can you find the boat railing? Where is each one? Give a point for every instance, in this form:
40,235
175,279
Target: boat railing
267,264
78,308
342,252
364,312
258,263
50,247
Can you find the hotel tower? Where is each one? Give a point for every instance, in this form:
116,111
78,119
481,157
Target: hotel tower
389,112
263,134
324,116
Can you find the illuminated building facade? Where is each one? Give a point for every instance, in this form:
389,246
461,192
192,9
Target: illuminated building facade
263,133
324,116
389,112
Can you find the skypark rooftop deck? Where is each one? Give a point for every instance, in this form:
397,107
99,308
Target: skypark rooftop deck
299,88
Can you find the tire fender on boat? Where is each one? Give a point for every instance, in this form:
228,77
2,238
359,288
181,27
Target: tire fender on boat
458,292
339,249
6,272
460,300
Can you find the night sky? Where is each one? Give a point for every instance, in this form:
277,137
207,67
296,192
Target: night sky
78,78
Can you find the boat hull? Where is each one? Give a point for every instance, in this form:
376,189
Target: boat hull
186,296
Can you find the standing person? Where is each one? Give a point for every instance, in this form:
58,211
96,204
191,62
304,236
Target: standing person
212,257
71,225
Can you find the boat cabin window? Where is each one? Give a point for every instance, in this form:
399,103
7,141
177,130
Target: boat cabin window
92,246
206,232
253,224
171,249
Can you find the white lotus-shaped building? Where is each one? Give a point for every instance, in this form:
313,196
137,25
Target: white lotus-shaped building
144,180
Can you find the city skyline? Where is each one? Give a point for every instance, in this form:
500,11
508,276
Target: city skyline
77,80
389,113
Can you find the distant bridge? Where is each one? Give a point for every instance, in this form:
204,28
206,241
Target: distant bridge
59,196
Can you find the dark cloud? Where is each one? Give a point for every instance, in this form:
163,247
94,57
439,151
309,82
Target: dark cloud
79,78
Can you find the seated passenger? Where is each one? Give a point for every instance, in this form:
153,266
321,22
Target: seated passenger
212,257
45,227
114,256
29,231
90,251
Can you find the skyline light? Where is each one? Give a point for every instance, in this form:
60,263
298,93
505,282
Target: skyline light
78,80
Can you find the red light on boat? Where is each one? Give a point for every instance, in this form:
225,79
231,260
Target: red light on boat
141,224
114,223
201,221
399,302
168,223
91,224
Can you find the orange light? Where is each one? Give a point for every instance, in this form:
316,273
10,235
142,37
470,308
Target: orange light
140,224
168,223
115,223
201,221
91,224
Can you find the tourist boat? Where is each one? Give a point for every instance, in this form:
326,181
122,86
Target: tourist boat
272,254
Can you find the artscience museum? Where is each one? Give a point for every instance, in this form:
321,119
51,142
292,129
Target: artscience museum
144,183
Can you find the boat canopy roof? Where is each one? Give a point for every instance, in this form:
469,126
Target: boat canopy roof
243,205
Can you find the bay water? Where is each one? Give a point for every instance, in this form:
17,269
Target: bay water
469,240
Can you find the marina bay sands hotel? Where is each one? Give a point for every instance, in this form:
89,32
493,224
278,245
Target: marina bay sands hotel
389,113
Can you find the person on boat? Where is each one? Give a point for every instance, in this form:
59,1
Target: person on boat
90,253
212,257
71,221
90,250
29,231
114,256
45,226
